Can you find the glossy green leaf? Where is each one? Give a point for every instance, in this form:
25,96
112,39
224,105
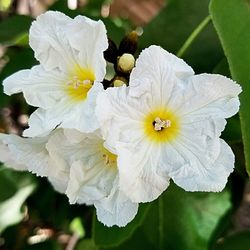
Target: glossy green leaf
175,23
17,187
14,28
111,236
232,22
179,220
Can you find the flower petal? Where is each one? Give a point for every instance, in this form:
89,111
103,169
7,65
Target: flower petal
200,175
61,42
119,116
90,39
6,156
47,39
207,96
41,122
157,71
116,209
141,179
40,88
27,154
89,181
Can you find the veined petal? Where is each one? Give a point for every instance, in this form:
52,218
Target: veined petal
6,156
47,39
40,88
158,72
90,178
207,96
90,39
119,115
41,122
89,181
116,209
65,43
26,154
83,114
201,175
141,178
60,152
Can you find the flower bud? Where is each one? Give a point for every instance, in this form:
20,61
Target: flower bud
126,63
111,53
119,81
129,43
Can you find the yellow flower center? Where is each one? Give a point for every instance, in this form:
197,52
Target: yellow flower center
161,125
110,159
80,82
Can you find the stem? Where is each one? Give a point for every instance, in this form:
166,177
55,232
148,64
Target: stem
193,36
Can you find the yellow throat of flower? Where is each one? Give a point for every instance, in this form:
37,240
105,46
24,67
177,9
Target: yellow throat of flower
110,160
79,83
161,125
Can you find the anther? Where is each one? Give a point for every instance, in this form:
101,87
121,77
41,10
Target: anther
161,124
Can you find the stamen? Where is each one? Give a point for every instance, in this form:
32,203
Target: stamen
76,82
106,159
86,81
161,124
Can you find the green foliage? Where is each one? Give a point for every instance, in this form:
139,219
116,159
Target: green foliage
177,220
11,33
174,24
105,236
14,190
232,22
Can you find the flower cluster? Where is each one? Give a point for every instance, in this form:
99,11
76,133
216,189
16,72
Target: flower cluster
114,148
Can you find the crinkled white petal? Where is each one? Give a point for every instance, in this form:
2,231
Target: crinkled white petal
120,115
202,175
40,88
90,39
60,152
141,178
26,154
6,156
116,209
207,96
61,42
157,72
80,116
89,180
47,39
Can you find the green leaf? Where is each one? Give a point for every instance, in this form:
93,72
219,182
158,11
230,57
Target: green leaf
240,241
14,28
172,27
179,220
232,22
87,244
17,187
111,236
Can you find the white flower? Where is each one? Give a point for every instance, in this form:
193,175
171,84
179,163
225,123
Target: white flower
76,164
65,84
167,125
93,177
32,154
